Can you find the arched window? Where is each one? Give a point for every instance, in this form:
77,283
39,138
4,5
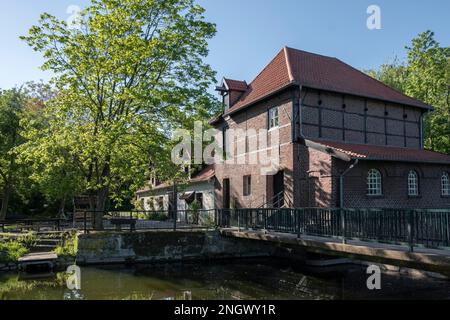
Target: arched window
445,184
413,183
374,183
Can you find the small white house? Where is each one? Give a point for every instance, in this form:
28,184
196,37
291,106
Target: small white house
200,187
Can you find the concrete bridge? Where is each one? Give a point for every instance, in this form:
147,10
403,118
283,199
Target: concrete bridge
415,238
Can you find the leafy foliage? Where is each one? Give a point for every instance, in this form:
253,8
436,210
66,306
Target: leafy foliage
131,74
11,251
425,76
69,246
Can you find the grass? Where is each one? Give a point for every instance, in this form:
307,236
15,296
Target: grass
11,251
69,246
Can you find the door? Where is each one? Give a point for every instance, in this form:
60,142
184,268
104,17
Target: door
278,190
226,193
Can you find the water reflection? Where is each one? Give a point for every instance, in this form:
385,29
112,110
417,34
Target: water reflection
235,280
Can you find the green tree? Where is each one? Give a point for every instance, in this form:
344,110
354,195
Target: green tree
429,80
130,75
393,74
425,75
11,106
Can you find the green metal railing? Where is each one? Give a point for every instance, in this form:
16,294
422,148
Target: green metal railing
146,220
418,227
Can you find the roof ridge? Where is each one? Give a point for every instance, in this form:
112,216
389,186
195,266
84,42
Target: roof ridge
288,63
311,53
229,79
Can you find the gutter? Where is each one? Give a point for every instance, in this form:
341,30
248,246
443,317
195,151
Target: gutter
341,182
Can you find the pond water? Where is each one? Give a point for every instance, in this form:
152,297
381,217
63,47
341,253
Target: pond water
232,280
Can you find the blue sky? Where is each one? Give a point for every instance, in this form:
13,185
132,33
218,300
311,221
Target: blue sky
251,32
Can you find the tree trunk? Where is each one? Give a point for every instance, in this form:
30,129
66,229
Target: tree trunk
62,208
102,196
5,202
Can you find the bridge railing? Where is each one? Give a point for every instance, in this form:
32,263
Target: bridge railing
145,220
418,227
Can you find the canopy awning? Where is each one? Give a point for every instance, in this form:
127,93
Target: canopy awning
188,196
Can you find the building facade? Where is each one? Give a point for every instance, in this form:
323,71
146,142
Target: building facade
345,140
200,188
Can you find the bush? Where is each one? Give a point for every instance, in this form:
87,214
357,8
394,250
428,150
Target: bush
11,251
69,247
157,216
29,240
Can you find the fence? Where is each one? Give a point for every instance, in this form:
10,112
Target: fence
146,220
428,228
33,224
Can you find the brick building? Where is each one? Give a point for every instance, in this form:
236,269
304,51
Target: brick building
345,139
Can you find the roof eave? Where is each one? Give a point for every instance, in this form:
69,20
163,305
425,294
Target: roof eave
408,161
266,96
424,106
216,120
328,150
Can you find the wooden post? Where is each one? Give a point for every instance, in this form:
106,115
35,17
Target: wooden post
175,206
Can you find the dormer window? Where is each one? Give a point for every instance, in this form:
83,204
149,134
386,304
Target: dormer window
231,91
274,120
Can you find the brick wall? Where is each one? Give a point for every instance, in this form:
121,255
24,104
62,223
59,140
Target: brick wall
256,118
312,177
315,182
395,187
318,183
339,117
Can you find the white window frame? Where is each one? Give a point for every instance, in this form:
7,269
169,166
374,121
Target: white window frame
374,183
445,185
413,184
274,118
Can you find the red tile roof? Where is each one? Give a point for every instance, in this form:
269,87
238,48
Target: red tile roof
236,85
273,78
382,153
292,66
203,176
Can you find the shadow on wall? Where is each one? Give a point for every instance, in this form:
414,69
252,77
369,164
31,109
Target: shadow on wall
288,188
317,184
324,186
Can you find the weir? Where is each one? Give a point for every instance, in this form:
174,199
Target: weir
165,246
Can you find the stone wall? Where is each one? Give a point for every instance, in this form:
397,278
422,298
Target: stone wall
158,246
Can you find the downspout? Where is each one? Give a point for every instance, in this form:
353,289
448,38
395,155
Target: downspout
341,182
299,115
